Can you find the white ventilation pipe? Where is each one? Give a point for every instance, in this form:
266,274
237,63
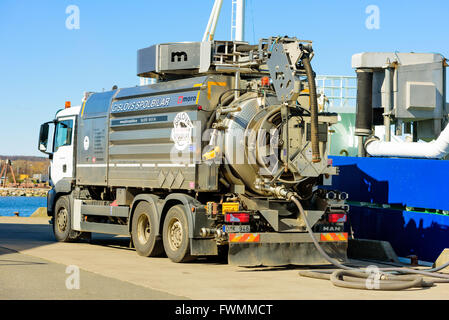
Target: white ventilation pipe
435,149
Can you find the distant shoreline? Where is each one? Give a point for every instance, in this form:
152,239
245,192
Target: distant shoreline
23,192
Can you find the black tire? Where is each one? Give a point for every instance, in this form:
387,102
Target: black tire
144,231
62,222
175,235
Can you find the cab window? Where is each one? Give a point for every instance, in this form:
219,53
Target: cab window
63,136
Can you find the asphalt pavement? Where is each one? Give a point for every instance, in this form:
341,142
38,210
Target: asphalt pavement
24,277
33,266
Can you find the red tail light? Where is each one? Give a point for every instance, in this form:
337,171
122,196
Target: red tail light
336,217
237,217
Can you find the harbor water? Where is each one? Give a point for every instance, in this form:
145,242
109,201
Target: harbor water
24,205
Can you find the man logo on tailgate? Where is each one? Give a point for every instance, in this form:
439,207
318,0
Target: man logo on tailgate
181,133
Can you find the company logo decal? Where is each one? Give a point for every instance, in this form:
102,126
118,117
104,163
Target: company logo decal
181,133
179,55
141,104
182,99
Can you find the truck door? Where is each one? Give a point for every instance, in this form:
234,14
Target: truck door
62,162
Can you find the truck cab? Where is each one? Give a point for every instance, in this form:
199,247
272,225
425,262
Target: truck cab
57,139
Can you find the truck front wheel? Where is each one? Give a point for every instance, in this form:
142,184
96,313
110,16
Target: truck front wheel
62,223
176,235
144,231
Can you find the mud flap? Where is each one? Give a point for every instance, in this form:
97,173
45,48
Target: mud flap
281,254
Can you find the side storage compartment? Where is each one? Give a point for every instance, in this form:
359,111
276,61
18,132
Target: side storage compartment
93,216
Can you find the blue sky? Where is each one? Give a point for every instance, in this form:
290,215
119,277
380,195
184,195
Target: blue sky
43,64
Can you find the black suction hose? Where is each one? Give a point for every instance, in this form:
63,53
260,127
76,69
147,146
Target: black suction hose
313,109
356,278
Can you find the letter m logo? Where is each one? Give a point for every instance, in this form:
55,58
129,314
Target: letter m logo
180,55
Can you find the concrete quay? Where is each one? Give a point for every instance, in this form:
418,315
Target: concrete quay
108,259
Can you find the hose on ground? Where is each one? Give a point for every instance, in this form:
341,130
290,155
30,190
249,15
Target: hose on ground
378,279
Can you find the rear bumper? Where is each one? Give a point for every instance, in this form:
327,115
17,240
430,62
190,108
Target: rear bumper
278,249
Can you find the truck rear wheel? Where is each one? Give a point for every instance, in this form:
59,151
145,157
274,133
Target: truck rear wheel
176,235
62,223
144,231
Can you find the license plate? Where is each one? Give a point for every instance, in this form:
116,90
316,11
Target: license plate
236,228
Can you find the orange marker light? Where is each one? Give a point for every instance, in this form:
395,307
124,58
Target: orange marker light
67,104
265,81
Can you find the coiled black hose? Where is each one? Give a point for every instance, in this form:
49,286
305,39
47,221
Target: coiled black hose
356,278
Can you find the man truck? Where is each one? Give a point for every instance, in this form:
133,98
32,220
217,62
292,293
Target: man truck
226,152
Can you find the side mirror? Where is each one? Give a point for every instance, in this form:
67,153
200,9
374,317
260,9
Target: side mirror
42,147
43,138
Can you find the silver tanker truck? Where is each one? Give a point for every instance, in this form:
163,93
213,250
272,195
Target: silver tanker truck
225,153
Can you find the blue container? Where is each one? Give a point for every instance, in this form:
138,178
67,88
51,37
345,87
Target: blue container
407,182
409,233
399,183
